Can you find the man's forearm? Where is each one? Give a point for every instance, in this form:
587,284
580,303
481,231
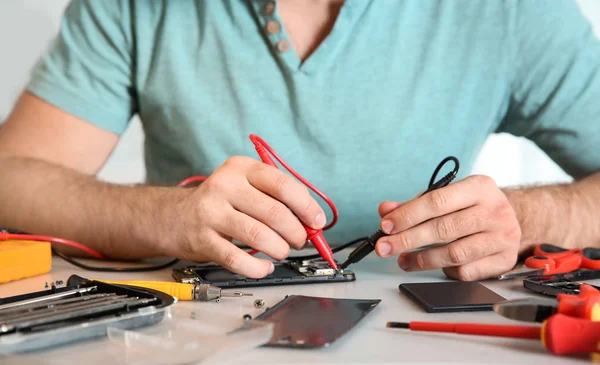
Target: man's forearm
565,215
119,221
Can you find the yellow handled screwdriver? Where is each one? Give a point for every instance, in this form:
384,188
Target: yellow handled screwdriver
181,291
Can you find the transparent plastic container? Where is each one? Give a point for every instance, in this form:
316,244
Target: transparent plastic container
183,336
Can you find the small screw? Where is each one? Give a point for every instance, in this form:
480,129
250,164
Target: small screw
259,303
247,317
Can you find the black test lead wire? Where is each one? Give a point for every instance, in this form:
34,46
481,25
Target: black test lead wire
368,245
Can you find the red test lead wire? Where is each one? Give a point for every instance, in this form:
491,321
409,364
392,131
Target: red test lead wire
191,180
313,235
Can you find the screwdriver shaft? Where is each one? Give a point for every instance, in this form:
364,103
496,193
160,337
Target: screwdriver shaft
64,294
235,294
36,307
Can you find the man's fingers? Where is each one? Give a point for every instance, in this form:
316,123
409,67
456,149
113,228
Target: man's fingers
451,198
254,234
442,229
460,252
226,254
271,212
284,188
487,267
388,206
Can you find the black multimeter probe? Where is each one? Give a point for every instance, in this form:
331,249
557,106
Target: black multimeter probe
368,245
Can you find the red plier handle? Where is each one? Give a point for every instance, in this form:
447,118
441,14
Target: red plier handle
590,258
544,254
552,251
554,266
585,305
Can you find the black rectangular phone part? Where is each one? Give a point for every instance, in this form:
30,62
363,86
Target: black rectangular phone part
285,273
452,296
568,283
309,322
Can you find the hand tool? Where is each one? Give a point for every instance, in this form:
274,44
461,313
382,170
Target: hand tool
312,235
68,308
65,294
585,305
181,291
62,303
550,259
560,334
368,245
82,310
71,314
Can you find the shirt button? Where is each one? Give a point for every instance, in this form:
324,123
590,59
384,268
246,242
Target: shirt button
273,27
283,46
269,8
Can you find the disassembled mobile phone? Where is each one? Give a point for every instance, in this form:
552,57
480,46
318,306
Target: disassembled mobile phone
568,283
286,273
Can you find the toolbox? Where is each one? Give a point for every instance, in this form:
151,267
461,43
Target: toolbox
81,310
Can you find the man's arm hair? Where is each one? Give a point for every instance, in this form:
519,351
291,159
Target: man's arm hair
565,215
48,159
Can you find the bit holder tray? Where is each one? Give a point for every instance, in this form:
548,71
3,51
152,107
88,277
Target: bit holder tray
82,310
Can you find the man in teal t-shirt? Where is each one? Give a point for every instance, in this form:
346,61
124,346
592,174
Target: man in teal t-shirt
361,97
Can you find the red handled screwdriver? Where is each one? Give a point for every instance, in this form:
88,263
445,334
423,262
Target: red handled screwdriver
313,235
560,334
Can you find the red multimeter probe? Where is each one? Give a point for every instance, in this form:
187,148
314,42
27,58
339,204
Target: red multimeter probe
313,235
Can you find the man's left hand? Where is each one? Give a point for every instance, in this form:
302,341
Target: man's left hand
473,216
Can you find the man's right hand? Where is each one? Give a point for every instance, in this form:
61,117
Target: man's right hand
246,200
48,158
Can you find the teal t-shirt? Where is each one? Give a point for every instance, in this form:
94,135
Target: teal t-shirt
394,88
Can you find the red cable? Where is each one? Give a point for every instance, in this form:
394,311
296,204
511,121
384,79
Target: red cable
192,179
255,139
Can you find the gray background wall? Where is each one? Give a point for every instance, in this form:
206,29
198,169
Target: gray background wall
26,26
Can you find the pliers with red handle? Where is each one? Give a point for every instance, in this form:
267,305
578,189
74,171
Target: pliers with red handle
585,305
550,259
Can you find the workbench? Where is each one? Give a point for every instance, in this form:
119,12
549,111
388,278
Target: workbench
370,342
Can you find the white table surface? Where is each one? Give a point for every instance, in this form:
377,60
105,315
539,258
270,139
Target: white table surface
370,342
